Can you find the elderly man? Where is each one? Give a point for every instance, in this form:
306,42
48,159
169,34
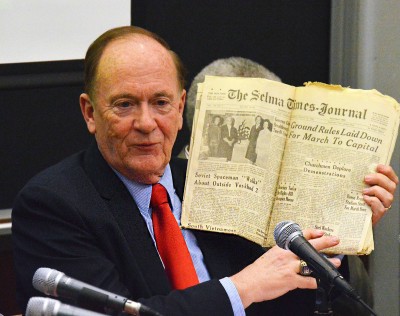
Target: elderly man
99,215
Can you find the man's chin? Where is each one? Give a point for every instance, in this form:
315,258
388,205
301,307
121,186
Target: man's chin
147,171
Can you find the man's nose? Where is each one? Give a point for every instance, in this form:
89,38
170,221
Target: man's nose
144,120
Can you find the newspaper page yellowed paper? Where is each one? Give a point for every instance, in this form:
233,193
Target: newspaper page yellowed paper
230,188
330,147
262,152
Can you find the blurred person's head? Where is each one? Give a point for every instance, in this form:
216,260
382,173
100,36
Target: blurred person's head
217,120
227,67
230,121
259,120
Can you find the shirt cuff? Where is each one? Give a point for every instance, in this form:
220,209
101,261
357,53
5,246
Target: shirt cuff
340,257
236,302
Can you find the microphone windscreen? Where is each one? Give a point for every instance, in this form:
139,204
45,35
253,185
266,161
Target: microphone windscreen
45,280
44,306
282,232
39,306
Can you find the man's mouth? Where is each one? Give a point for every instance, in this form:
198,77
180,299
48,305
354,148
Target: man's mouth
146,146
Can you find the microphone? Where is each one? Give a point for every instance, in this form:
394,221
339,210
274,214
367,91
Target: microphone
44,306
56,283
288,235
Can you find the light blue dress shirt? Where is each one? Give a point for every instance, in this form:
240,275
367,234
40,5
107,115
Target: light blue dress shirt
141,193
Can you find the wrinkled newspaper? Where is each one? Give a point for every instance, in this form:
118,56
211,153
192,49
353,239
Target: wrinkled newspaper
262,152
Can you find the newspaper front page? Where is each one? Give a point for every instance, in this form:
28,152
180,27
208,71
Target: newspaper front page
262,152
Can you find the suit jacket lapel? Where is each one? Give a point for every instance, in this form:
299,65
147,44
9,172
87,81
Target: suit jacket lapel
128,218
133,227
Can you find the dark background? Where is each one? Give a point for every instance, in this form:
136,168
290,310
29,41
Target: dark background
40,119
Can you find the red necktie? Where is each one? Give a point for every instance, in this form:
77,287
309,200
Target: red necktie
170,242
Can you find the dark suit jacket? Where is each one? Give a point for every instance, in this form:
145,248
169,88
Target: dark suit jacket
78,217
225,149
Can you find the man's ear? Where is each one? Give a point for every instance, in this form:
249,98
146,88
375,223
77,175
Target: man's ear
87,112
182,106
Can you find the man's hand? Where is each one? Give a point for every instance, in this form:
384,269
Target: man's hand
277,272
379,196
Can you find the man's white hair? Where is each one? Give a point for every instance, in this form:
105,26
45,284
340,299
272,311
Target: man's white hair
228,67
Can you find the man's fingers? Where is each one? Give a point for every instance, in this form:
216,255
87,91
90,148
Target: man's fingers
336,262
386,179
388,171
384,196
377,208
312,233
324,242
319,240
380,195
306,282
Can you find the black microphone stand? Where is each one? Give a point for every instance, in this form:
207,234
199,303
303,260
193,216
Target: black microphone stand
323,304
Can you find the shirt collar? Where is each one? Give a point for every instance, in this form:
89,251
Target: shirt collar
141,193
